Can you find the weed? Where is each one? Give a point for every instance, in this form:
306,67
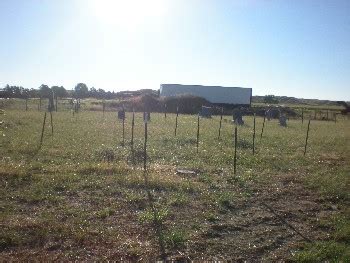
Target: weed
206,178
225,199
106,154
245,144
155,216
176,238
139,199
211,217
104,213
178,199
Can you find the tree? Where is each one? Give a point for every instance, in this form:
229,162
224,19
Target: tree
13,91
45,91
60,92
270,99
9,92
101,93
34,93
81,90
25,93
93,92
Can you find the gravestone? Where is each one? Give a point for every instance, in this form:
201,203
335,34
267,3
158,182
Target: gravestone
237,117
75,105
205,112
121,114
146,117
268,114
51,105
283,120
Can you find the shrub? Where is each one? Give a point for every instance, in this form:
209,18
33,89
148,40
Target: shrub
187,104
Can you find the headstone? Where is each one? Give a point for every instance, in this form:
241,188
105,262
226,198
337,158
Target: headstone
75,105
146,117
51,105
268,114
237,117
283,120
205,112
121,114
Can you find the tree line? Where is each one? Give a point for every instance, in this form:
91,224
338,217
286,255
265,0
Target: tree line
81,91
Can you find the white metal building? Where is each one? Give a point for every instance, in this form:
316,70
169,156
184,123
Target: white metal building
213,94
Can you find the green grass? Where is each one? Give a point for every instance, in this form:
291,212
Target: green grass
81,190
324,252
336,249
176,238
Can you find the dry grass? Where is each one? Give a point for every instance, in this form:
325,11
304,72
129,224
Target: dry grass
79,197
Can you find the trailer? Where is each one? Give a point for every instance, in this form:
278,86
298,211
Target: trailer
213,94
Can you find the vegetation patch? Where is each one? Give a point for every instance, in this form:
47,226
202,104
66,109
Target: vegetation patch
82,197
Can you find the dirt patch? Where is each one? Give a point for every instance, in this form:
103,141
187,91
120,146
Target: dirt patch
268,224
252,232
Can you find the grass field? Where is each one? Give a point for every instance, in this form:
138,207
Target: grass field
80,197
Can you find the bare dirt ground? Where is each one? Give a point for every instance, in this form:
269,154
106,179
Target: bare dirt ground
267,225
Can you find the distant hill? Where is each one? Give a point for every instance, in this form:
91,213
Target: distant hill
298,101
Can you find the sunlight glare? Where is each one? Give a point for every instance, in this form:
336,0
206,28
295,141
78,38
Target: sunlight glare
128,14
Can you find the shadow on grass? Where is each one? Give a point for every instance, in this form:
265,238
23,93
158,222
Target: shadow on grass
157,221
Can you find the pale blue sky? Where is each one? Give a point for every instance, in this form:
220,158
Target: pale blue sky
297,48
